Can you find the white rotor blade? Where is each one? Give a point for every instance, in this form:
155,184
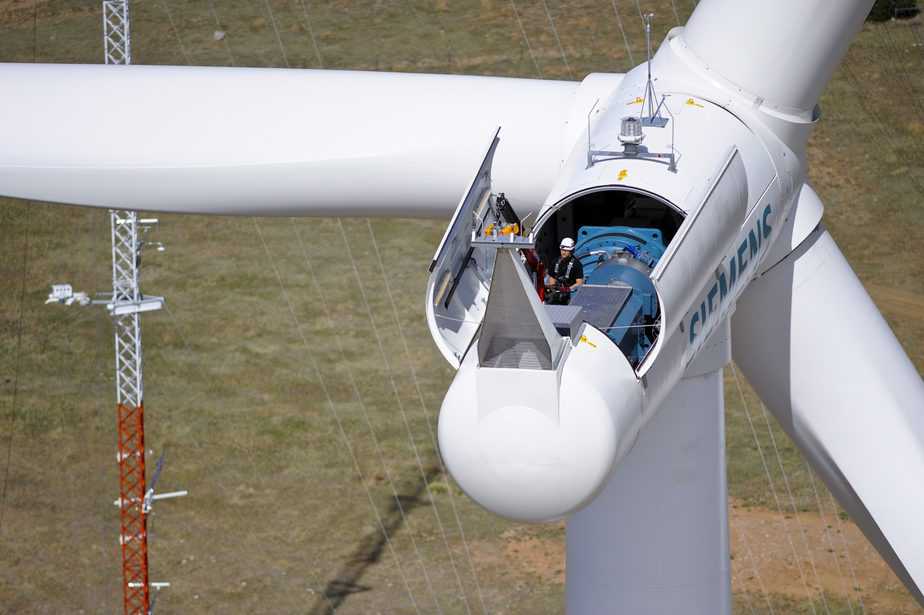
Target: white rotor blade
271,141
751,43
820,355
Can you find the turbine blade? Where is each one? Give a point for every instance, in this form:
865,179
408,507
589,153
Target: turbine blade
822,358
271,141
793,46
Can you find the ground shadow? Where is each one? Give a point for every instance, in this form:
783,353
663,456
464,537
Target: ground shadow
370,549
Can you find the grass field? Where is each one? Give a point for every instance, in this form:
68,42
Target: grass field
279,517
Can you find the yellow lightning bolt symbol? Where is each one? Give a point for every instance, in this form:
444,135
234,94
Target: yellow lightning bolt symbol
624,173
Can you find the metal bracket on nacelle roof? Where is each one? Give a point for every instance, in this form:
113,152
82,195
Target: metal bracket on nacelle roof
631,135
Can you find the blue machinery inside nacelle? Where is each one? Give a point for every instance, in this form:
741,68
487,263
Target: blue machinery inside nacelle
618,296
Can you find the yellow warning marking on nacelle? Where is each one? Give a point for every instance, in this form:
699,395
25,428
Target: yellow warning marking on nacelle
624,173
638,100
587,341
693,103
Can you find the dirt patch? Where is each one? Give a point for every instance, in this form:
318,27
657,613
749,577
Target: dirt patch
774,553
770,553
536,556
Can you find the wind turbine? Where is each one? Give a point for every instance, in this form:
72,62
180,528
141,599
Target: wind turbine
684,183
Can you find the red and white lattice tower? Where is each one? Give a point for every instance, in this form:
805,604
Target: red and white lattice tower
126,305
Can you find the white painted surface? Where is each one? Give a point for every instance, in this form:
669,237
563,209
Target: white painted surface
272,141
655,540
460,277
783,51
513,294
701,132
715,353
518,460
819,354
703,239
797,226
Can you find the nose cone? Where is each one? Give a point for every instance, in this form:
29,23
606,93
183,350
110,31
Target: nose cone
545,451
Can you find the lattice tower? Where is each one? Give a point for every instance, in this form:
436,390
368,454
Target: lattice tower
117,42
126,299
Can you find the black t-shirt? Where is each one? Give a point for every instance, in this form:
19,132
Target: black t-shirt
567,270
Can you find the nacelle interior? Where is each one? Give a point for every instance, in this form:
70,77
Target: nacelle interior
619,236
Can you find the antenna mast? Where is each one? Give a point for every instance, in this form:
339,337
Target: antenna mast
649,88
650,108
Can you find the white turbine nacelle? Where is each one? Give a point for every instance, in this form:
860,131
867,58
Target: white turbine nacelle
537,443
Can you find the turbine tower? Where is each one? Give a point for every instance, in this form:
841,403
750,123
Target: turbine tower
700,240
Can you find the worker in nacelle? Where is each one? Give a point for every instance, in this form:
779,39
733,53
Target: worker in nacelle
565,275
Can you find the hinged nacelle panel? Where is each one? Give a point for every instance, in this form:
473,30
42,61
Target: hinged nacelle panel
460,274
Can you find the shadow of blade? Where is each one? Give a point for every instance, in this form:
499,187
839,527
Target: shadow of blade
370,549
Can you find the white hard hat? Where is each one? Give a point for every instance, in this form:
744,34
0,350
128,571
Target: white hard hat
567,244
